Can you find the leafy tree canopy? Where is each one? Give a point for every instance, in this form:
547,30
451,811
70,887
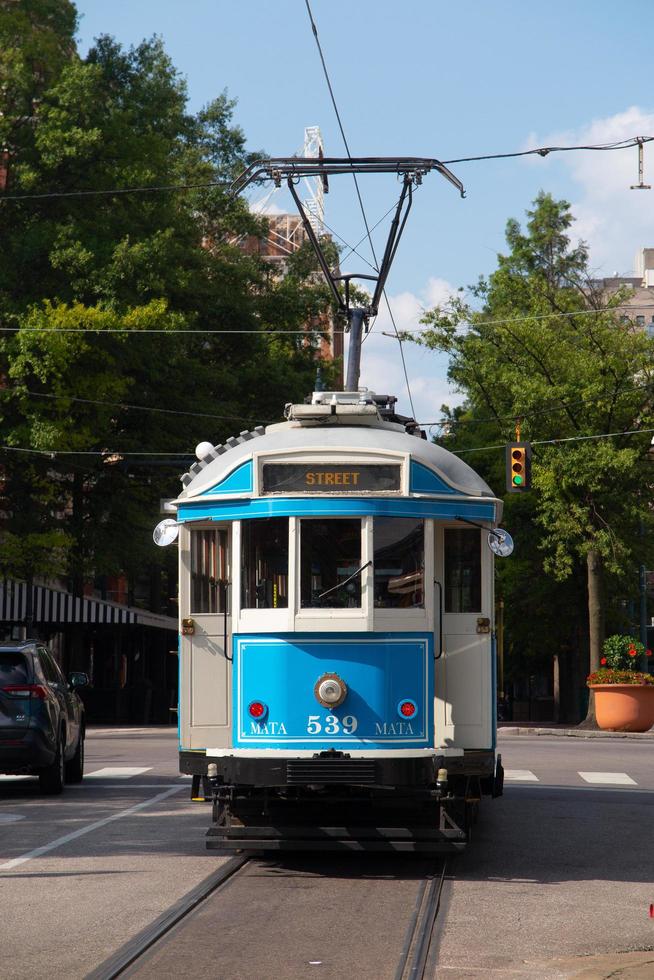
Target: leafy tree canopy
542,344
123,265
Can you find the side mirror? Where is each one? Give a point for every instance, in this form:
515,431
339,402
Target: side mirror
78,679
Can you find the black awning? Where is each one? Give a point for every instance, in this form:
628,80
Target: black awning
58,607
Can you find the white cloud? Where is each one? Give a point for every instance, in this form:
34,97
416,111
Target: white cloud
381,363
614,220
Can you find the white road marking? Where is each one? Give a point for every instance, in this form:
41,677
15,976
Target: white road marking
120,785
520,775
11,817
12,778
117,772
608,778
38,851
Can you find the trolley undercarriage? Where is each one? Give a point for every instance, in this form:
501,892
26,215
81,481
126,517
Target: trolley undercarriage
323,807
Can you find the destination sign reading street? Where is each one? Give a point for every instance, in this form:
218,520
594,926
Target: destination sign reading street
323,478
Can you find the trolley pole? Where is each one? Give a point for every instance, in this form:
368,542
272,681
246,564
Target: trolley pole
357,318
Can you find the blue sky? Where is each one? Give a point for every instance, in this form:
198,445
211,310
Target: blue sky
432,79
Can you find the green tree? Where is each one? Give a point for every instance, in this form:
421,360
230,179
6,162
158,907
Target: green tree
544,350
120,265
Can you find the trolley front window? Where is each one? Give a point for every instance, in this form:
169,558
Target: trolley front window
209,571
462,570
264,563
399,562
330,552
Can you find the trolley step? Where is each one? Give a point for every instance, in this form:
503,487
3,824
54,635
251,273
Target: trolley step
312,838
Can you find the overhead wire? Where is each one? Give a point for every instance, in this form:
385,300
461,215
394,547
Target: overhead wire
363,210
554,409
548,442
117,453
270,333
542,151
126,405
540,316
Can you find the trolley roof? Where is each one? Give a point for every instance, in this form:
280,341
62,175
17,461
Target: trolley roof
349,426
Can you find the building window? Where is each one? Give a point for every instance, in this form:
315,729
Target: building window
264,563
330,552
399,562
462,570
640,321
209,571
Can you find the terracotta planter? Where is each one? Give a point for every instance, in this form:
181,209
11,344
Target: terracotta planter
624,707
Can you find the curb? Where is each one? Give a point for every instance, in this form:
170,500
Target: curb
576,733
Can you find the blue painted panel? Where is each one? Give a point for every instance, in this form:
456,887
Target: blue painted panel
424,480
235,510
238,481
380,669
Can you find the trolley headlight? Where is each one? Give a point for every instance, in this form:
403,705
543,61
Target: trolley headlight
330,690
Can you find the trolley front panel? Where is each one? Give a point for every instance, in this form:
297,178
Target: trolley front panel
381,670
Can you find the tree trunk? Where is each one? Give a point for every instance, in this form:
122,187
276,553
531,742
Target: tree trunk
595,624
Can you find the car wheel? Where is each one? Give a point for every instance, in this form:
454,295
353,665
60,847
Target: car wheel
51,779
75,766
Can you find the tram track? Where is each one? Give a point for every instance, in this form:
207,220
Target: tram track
134,950
420,933
157,949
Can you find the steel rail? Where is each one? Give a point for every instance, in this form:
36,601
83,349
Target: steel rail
421,928
132,950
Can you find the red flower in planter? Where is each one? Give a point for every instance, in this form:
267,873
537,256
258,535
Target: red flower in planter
649,653
603,661
632,652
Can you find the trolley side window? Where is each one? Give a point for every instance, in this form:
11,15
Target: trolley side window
399,562
330,552
209,570
462,570
264,563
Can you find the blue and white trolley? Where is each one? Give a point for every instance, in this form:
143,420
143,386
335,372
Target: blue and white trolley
337,658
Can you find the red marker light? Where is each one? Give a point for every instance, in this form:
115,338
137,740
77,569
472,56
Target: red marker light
407,709
257,709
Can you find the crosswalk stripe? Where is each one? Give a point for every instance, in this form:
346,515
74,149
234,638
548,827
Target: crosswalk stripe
521,775
117,772
608,778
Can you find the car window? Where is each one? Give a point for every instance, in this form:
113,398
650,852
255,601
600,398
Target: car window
48,666
59,674
39,673
13,669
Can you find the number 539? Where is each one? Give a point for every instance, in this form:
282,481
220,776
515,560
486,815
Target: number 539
331,725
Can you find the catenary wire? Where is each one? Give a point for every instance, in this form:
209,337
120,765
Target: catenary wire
550,442
538,151
553,410
539,316
340,126
273,333
363,210
140,408
177,456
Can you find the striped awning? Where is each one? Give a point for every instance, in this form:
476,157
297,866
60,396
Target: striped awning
56,606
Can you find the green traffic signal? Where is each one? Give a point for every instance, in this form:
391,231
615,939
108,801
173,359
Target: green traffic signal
518,459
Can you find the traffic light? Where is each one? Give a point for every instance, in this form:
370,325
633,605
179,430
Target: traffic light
518,467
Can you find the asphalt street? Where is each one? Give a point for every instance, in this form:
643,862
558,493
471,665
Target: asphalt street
559,872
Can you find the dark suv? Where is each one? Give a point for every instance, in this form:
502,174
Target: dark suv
41,716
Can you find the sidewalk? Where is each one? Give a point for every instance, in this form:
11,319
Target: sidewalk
514,728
